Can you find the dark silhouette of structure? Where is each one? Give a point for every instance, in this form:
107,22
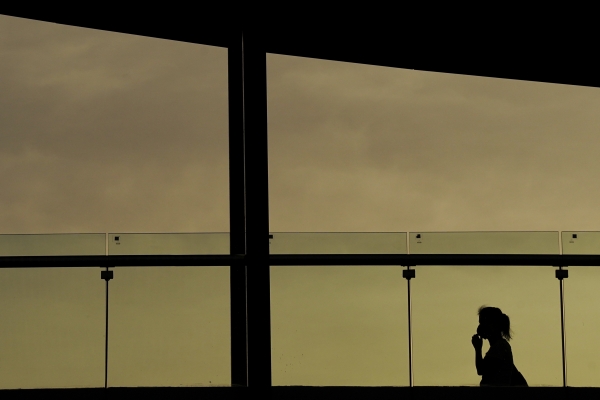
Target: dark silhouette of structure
497,368
452,41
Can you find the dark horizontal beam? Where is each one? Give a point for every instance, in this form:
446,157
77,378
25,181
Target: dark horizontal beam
207,25
311,392
435,259
302,260
467,42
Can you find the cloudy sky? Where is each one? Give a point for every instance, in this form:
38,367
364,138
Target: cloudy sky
105,132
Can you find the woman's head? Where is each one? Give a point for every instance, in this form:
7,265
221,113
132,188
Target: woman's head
492,322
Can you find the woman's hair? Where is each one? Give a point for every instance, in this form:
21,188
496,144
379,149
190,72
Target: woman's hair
497,320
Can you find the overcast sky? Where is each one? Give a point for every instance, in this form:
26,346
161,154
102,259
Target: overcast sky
106,132
357,147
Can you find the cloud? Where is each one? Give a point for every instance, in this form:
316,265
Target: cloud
104,130
392,149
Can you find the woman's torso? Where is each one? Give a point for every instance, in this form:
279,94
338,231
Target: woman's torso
498,365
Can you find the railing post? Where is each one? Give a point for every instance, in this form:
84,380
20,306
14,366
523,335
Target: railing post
408,274
560,275
107,276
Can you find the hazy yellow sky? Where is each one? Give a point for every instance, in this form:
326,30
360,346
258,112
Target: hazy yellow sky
105,132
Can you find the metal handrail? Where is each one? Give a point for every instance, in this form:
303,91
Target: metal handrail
302,259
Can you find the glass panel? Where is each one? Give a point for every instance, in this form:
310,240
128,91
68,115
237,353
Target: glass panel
109,132
484,243
357,147
581,242
338,243
339,326
169,326
52,328
168,243
582,323
76,244
445,304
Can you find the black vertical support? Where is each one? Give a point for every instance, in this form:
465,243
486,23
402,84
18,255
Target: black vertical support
560,275
257,202
408,274
237,217
562,320
106,341
410,347
107,276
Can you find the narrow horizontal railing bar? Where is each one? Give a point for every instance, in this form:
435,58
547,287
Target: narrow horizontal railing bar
302,260
435,259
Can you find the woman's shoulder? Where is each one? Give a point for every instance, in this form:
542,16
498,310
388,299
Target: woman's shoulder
501,349
501,344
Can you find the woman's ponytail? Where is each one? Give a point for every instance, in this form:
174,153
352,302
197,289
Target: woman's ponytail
505,327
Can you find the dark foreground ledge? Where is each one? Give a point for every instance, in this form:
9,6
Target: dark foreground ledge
306,392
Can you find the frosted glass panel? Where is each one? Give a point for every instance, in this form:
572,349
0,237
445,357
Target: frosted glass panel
445,304
339,326
52,324
338,243
483,243
169,326
582,325
168,243
76,244
581,242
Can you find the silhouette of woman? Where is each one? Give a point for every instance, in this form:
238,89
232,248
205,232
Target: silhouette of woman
497,367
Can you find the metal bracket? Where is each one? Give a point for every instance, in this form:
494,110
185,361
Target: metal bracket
106,275
408,273
562,273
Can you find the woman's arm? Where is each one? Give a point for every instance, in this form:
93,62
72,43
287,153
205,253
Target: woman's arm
479,362
477,344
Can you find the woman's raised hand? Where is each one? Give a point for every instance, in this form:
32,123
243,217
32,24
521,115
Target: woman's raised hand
477,342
